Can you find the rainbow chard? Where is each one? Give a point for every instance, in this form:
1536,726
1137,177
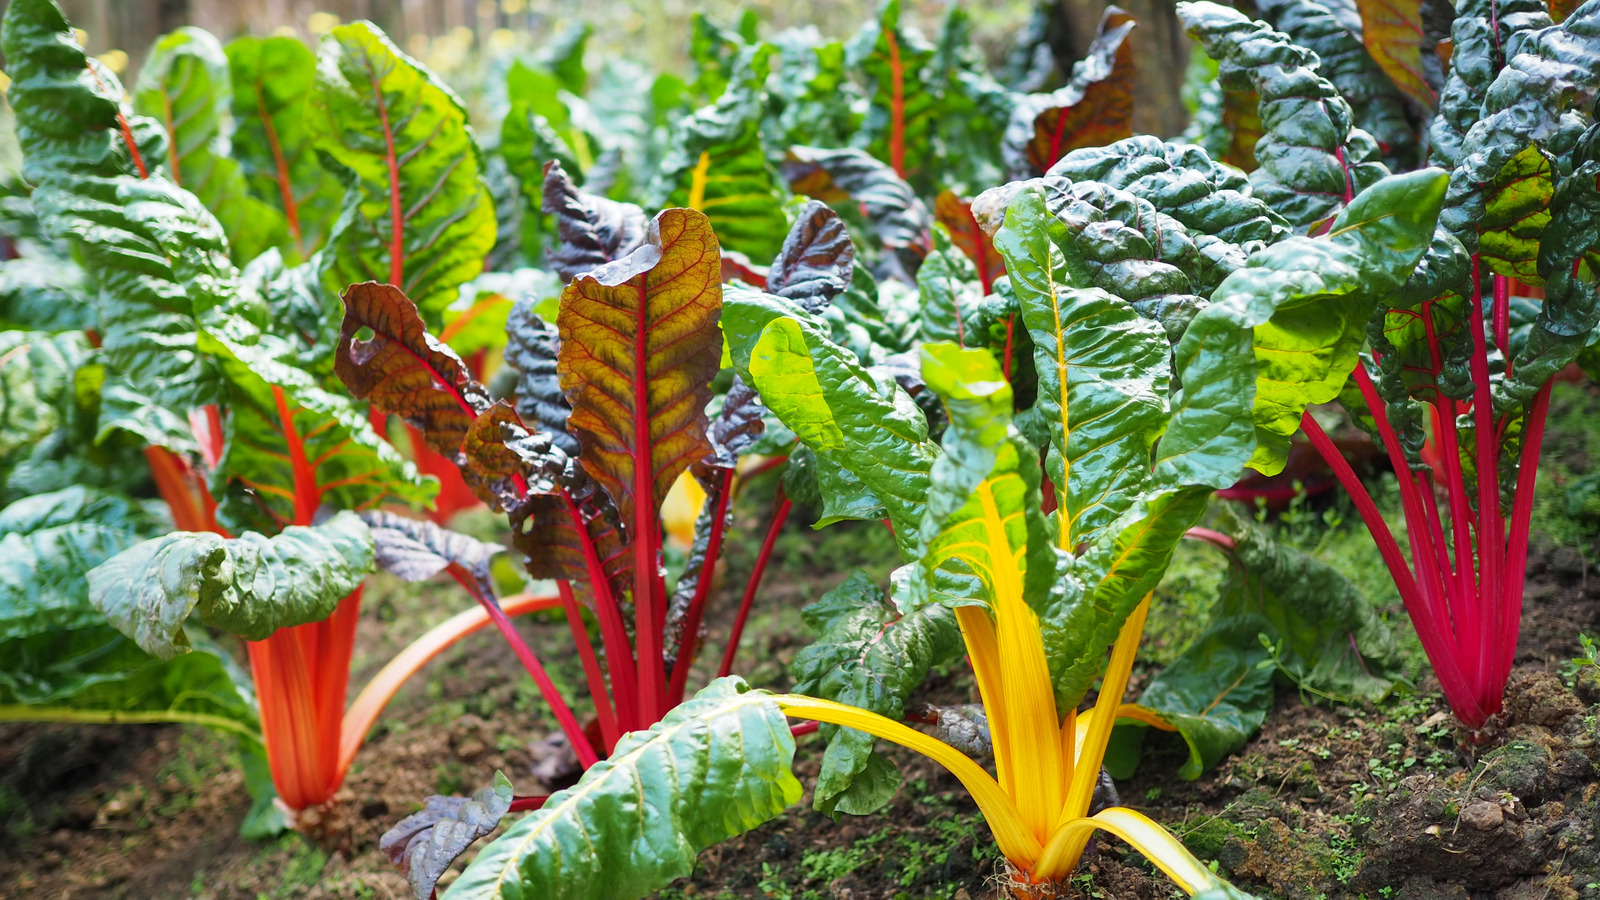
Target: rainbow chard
898,129
1456,380
632,354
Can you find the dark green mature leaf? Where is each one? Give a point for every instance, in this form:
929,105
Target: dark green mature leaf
424,844
250,586
158,256
1217,692
1480,35
899,220
1210,199
292,446
1131,250
1225,123
715,767
868,655
185,85
1569,261
1103,373
1312,158
898,129
417,214
856,419
1328,637
717,165
1541,97
1094,109
36,371
273,139
1308,301
1336,37
45,294
59,658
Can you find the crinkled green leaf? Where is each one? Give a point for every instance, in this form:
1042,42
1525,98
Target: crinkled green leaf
416,213
292,447
1103,373
1515,212
715,767
951,296
250,586
972,108
817,101
1312,158
185,85
273,140
860,420
1328,637
45,294
1479,35
1212,200
1216,693
1378,105
717,165
868,655
159,258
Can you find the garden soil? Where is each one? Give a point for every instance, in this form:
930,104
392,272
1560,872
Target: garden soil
1329,800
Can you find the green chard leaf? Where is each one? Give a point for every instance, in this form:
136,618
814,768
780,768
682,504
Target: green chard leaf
249,586
1479,35
417,213
1312,159
715,767
1103,373
898,129
158,256
1336,37
273,141
869,655
186,86
857,419
717,165
1308,301
1216,693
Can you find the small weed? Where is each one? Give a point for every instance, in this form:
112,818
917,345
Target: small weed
1588,655
772,883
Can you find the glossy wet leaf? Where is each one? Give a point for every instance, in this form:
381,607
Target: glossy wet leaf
858,420
417,549
1479,34
1310,159
249,586
816,261
898,218
715,767
532,346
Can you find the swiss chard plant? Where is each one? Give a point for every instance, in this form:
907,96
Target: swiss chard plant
1455,376
221,379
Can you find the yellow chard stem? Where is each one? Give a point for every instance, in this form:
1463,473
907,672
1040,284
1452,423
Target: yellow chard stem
1151,840
983,649
1026,716
1015,840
